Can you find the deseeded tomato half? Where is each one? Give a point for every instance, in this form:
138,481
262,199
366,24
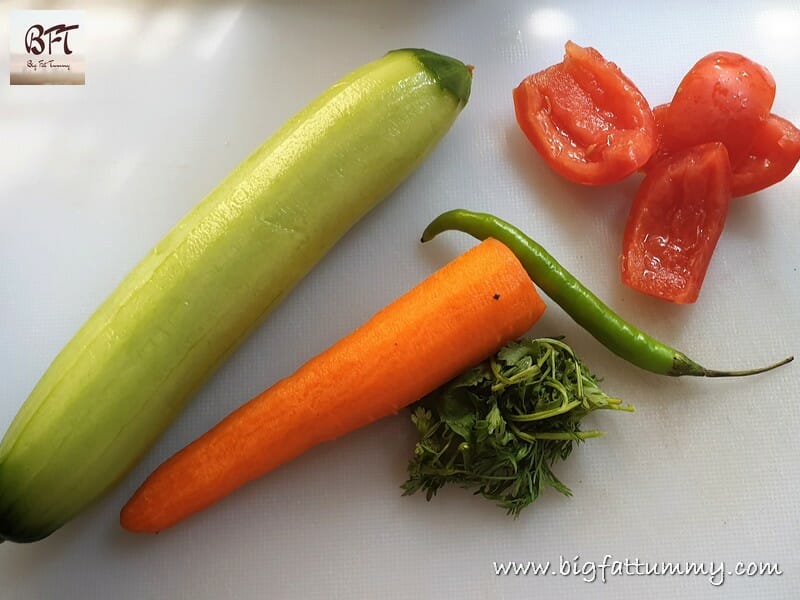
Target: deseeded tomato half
725,97
675,221
588,121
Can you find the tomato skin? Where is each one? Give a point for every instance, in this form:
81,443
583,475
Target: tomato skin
774,153
725,97
585,118
675,222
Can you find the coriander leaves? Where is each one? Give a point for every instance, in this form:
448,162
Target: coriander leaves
499,428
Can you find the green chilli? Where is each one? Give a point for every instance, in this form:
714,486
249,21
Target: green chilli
616,334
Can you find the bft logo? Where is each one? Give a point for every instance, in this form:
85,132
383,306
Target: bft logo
47,47
37,35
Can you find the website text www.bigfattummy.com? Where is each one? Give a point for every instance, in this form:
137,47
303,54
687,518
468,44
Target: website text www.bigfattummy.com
590,571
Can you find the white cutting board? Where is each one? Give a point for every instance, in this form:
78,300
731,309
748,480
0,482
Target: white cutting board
176,95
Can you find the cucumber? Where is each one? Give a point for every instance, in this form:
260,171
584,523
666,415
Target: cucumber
135,363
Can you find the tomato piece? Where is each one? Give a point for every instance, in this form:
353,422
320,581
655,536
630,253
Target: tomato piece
774,153
586,118
725,97
675,221
659,115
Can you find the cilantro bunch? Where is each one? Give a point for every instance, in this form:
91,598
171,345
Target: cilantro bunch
499,428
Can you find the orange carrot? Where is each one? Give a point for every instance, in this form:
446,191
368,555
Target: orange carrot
451,321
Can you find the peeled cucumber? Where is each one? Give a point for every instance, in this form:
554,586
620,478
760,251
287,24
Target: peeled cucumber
135,363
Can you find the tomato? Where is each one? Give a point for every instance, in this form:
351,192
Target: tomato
586,118
675,221
772,156
725,97
773,153
659,115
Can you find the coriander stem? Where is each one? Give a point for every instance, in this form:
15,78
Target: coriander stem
545,414
555,435
619,406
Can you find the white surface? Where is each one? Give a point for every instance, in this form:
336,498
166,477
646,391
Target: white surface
91,177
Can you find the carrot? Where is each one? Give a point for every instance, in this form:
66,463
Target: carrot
452,320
